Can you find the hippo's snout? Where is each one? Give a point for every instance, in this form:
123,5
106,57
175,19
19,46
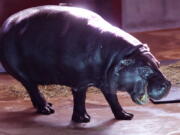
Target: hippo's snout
157,91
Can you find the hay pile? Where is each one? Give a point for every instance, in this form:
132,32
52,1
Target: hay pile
16,90
172,72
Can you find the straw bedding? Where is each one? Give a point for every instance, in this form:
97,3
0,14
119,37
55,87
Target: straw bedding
15,89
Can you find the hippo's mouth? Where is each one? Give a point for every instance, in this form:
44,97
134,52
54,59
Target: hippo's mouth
144,99
141,100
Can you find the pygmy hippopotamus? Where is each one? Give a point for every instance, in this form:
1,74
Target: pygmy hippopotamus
72,46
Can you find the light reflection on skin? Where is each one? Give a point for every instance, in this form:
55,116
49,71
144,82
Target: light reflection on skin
97,21
93,20
19,16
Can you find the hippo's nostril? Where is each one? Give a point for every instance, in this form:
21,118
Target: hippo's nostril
166,84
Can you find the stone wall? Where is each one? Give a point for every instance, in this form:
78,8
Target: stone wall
143,15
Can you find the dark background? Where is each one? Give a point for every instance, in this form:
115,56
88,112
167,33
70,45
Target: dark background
110,10
130,15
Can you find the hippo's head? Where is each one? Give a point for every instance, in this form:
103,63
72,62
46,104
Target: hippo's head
140,79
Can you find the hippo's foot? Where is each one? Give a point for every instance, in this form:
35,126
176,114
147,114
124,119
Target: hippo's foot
81,118
124,116
46,110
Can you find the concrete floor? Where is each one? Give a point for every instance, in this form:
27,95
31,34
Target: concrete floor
17,116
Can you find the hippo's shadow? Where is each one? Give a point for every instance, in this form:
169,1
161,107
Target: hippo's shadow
28,119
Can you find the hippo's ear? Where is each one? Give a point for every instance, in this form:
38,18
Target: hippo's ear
145,72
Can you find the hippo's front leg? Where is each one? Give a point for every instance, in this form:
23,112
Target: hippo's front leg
116,108
79,112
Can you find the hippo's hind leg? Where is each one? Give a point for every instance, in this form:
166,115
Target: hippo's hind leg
37,98
79,112
116,108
